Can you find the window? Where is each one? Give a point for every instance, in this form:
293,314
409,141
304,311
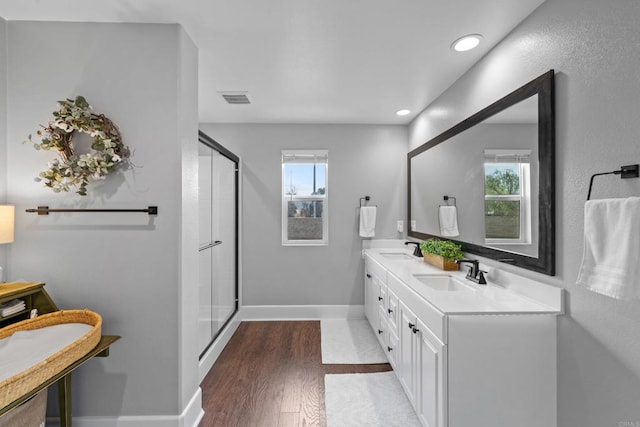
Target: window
304,197
507,200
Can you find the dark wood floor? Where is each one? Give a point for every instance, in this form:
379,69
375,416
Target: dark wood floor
271,374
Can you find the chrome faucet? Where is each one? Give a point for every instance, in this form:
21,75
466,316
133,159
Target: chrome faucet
474,274
416,252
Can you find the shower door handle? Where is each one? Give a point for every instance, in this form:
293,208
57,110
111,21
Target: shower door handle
209,245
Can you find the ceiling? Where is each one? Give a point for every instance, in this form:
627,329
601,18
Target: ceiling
312,61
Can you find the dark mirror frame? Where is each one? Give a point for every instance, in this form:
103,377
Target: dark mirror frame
542,86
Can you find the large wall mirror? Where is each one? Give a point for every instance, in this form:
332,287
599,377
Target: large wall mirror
489,181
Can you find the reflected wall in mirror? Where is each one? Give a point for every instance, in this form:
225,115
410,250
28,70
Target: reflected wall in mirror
497,169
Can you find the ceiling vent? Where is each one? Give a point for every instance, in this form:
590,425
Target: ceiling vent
235,98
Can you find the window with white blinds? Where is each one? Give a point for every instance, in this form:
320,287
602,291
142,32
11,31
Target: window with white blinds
305,197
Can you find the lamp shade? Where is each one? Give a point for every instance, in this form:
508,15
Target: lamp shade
7,215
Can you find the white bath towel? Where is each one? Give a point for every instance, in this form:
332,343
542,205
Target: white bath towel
448,217
611,257
367,221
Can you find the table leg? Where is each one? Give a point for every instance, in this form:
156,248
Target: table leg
64,398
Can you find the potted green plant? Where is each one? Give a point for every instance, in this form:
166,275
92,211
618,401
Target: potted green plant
441,253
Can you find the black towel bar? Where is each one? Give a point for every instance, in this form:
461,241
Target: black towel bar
44,210
629,171
447,198
366,199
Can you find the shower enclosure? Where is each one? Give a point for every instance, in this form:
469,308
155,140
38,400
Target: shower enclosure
218,245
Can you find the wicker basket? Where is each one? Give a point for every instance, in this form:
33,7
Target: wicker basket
20,384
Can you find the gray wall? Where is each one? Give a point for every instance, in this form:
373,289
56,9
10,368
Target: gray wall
594,46
138,272
363,160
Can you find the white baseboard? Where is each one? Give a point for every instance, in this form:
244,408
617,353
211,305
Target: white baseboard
212,354
190,417
301,312
193,413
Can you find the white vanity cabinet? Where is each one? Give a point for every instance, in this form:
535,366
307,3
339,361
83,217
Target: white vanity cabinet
476,367
421,367
421,364
381,309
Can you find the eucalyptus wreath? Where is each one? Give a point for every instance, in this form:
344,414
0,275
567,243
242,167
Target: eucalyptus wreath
78,170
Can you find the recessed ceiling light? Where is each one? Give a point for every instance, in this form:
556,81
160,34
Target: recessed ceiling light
403,112
467,42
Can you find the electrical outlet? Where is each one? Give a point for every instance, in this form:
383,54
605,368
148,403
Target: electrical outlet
400,226
413,225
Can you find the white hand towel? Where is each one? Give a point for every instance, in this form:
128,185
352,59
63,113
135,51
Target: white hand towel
610,263
448,216
367,221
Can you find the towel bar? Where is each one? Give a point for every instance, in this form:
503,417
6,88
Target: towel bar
629,171
366,199
44,210
446,199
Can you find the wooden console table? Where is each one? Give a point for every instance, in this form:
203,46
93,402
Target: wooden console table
36,297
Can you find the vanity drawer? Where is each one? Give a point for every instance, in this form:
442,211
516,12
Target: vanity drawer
433,318
373,268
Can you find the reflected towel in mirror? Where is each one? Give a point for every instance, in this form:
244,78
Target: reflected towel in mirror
367,221
448,217
612,248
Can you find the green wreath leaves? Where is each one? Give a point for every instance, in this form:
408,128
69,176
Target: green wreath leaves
72,170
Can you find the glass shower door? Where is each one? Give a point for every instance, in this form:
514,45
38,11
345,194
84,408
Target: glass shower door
218,242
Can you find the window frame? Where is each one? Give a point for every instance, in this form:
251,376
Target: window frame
305,153
522,159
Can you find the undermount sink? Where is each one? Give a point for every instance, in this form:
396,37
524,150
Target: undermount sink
442,283
397,256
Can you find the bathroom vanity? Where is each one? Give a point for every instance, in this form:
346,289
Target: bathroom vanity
466,354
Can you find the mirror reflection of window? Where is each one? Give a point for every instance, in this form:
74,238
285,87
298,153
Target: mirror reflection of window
507,196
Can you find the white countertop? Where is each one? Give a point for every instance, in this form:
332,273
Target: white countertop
481,299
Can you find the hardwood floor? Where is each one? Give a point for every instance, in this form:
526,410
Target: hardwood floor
271,375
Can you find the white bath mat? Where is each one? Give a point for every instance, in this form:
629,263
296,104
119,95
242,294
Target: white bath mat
349,341
367,400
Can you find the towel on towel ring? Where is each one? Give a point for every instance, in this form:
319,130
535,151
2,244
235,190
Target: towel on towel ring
612,248
367,221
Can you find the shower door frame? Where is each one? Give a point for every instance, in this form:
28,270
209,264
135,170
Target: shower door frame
205,139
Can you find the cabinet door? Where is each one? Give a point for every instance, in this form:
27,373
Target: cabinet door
382,298
430,379
392,311
381,329
407,369
371,292
392,349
